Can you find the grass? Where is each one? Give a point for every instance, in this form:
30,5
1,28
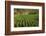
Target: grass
29,20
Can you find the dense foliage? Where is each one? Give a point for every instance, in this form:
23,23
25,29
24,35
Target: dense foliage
26,20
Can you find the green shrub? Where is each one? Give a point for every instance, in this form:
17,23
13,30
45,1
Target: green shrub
26,20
